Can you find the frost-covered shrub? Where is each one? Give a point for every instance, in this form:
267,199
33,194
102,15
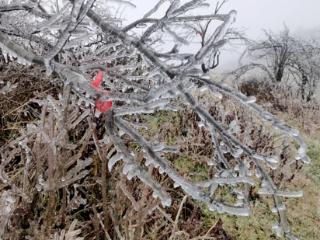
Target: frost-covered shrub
137,77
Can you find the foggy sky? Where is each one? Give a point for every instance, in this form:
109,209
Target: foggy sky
255,15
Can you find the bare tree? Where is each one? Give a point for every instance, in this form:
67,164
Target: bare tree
284,56
78,37
273,54
304,67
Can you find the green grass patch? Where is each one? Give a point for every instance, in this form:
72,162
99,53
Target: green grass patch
194,170
314,154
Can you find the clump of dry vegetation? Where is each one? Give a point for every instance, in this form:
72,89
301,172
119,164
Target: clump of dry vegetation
19,86
282,100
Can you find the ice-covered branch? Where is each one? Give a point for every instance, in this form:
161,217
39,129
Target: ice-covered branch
219,17
131,169
75,12
195,190
31,7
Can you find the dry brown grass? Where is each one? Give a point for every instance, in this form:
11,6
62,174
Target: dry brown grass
281,101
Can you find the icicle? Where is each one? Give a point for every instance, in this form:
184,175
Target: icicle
113,160
245,212
297,194
211,162
154,195
201,124
291,237
223,148
264,184
251,99
242,170
166,202
128,168
268,116
225,174
203,89
258,157
234,127
236,167
272,160
237,153
97,114
294,132
230,209
273,166
7,53
302,151
163,148
258,173
176,185
148,162
248,173
131,174
302,154
79,102
278,230
48,66
240,196
161,170
213,187
121,133
268,191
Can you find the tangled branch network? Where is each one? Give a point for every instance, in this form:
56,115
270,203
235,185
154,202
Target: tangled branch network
82,36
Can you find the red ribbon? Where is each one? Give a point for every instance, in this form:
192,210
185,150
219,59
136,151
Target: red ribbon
101,105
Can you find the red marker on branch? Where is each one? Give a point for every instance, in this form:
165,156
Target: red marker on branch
101,105
96,83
